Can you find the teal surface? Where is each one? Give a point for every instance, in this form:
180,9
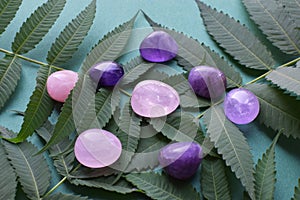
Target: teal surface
183,16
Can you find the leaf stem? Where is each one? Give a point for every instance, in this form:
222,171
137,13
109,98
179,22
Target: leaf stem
60,182
28,59
55,187
258,78
201,114
125,92
265,74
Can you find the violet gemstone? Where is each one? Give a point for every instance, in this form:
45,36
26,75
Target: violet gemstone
97,148
159,46
151,98
241,106
106,74
59,84
181,160
207,82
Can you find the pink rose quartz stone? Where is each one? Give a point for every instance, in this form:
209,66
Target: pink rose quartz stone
97,148
151,98
60,84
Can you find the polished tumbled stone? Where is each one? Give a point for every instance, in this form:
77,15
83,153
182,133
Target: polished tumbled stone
241,106
153,98
59,84
207,82
106,74
159,46
181,160
97,148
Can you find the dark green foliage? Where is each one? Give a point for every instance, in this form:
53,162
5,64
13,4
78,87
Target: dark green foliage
213,180
8,10
10,72
37,26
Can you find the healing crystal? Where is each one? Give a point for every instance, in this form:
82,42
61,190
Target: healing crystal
97,148
159,46
207,82
181,160
151,98
60,83
106,74
241,106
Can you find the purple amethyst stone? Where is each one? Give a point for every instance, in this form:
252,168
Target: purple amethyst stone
241,106
207,82
159,46
106,74
181,160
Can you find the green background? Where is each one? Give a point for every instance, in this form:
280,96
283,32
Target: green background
183,16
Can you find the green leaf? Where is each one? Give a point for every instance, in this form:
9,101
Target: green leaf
64,126
83,103
63,162
8,182
213,180
99,110
287,78
37,26
176,127
83,172
8,10
135,69
129,135
236,39
206,144
190,100
277,110
178,82
32,170
110,47
297,192
191,53
276,24
292,7
122,186
74,106
161,187
61,196
66,44
39,107
265,173
232,145
10,73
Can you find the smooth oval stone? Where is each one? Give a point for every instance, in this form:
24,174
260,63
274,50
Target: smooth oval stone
181,160
59,84
151,98
207,82
106,74
241,106
159,46
97,148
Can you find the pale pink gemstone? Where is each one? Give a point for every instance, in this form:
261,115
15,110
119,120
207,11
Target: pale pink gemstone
60,84
153,98
97,148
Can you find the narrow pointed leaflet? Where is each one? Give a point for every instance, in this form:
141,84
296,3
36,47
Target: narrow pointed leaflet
8,10
37,26
276,24
236,39
66,44
265,173
232,145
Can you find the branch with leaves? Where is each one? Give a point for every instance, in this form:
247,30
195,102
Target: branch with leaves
226,148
